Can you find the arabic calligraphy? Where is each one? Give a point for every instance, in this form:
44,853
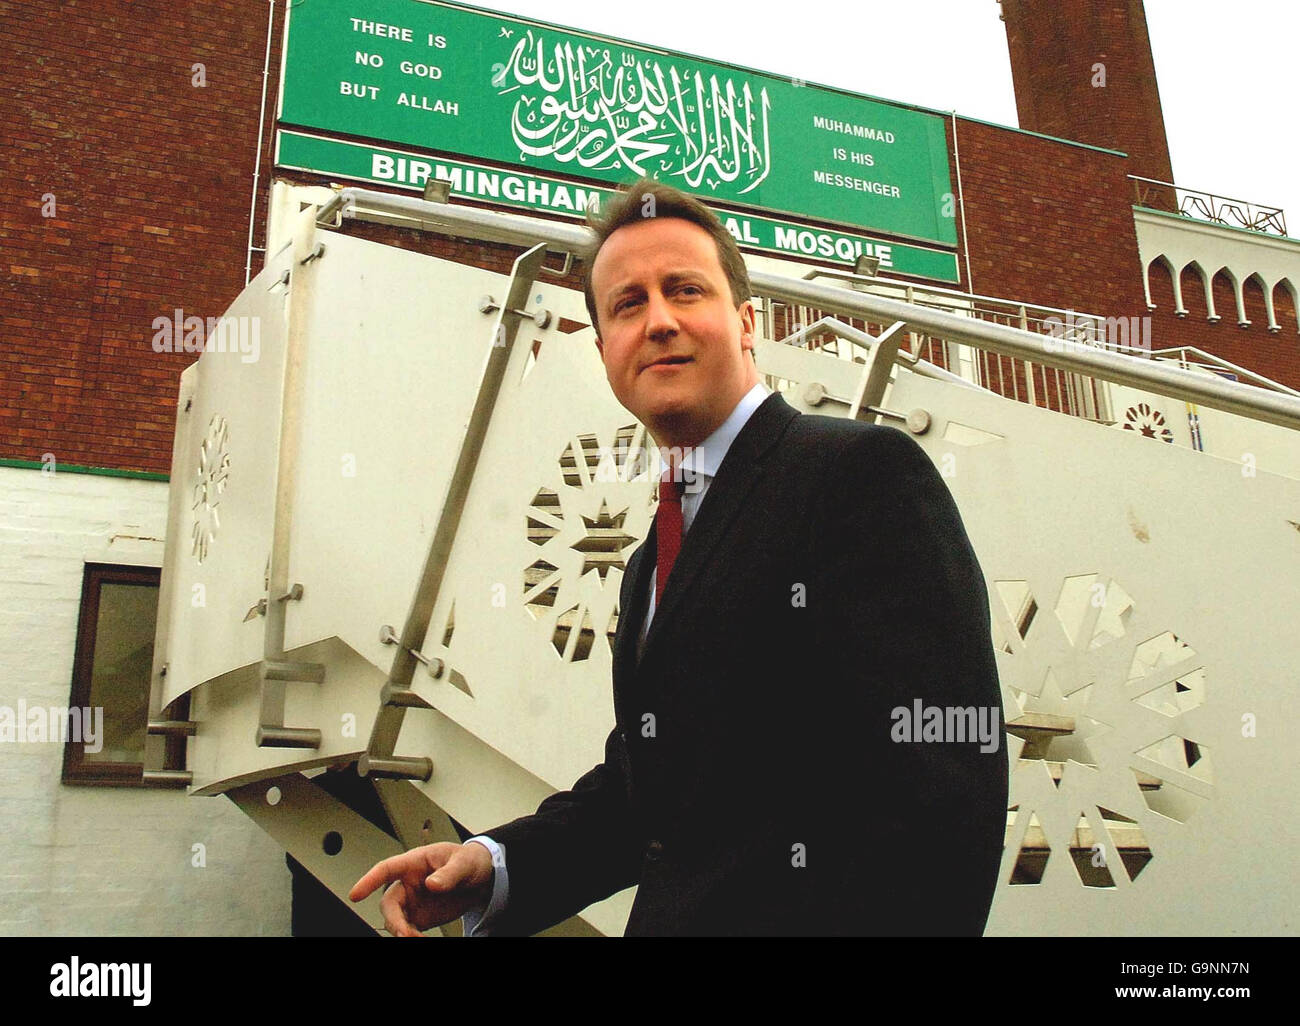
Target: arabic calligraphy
580,104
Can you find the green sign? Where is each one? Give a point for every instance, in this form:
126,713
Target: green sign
384,166
502,89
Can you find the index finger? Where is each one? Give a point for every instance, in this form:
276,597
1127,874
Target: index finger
384,872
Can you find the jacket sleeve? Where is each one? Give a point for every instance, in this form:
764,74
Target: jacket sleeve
900,616
578,847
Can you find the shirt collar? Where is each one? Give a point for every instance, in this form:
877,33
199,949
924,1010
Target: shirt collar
706,458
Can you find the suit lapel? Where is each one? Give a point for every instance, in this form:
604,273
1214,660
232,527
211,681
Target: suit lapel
633,612
740,471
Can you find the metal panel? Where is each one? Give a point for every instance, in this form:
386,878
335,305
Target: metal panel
396,346
221,502
1144,595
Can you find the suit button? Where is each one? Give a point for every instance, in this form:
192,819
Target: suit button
654,851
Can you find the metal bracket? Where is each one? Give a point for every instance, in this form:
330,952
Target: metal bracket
405,697
395,767
259,609
541,317
814,394
435,666
169,777
166,778
875,375
334,843
173,728
917,421
271,731
564,270
315,254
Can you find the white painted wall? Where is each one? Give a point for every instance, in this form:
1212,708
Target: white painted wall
97,861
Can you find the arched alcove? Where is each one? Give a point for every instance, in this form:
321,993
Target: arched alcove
1194,284
1286,303
1252,292
1224,291
1160,285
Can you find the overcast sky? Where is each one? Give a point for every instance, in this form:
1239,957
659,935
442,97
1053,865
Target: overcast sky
1227,71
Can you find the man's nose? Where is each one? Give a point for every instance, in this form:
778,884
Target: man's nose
661,322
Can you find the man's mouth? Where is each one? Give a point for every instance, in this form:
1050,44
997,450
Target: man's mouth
669,361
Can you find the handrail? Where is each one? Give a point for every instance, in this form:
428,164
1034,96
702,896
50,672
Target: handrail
974,301
1218,361
849,333
1063,354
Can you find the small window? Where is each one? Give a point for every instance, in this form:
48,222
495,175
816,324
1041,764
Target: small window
106,738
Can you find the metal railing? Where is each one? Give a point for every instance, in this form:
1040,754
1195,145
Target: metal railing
1005,340
1025,381
1190,356
1208,206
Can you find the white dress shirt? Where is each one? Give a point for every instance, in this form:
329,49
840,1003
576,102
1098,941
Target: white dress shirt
699,467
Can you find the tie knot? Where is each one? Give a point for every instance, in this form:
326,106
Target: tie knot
670,487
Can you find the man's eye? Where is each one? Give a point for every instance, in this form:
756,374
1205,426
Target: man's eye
625,304
695,289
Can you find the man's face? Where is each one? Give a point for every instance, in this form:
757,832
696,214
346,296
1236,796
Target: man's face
675,347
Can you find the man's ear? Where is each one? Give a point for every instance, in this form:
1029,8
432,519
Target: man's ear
747,320
600,348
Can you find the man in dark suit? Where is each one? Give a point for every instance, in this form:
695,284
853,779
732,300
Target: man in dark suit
807,587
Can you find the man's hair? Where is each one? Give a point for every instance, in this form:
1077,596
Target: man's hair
646,200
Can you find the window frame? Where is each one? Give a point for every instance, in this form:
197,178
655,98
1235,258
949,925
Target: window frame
77,770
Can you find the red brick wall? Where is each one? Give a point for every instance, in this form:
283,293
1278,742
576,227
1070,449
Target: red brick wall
1055,49
151,178
1048,223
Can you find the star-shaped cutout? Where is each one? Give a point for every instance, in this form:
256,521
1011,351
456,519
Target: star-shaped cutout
603,544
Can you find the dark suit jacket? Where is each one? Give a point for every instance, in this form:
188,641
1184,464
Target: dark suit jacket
751,785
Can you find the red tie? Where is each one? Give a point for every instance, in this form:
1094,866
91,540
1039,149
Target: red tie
668,529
